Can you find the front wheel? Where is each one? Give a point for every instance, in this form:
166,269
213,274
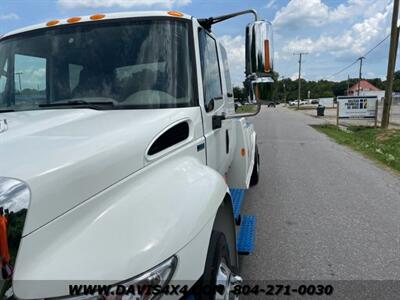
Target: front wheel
256,169
218,280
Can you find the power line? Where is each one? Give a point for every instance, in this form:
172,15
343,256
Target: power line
344,69
357,60
377,45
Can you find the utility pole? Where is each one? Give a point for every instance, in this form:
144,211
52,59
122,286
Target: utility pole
360,75
391,65
397,45
348,85
284,93
299,89
284,89
19,78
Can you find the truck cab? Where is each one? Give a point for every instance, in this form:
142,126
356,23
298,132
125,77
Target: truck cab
122,155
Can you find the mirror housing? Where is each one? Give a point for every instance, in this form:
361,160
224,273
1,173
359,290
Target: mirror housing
259,49
259,61
255,108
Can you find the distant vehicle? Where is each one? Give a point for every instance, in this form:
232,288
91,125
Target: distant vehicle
294,102
311,101
271,103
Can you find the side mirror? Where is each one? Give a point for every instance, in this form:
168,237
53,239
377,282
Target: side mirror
248,109
210,105
259,67
259,49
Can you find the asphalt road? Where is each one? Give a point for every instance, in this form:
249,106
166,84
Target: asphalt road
324,212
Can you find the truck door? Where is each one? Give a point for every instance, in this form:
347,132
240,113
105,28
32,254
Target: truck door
219,141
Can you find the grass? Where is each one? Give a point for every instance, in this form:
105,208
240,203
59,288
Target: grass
378,144
302,107
246,108
308,107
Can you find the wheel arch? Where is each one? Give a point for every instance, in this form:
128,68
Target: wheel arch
225,222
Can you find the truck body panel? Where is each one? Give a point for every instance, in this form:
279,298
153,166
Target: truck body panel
243,161
86,150
221,141
124,230
118,186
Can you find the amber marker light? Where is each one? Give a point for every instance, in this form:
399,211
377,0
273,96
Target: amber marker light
97,17
74,19
52,22
267,64
175,13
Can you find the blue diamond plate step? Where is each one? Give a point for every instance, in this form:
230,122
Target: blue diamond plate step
237,199
245,240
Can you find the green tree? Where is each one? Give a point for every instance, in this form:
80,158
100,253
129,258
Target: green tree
239,92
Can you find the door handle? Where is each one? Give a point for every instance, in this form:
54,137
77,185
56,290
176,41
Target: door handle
227,141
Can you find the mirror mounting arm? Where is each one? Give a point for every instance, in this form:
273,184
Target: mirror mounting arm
244,115
208,22
217,121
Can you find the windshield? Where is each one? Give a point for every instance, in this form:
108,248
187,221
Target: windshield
132,64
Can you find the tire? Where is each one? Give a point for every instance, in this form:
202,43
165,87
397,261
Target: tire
256,169
213,277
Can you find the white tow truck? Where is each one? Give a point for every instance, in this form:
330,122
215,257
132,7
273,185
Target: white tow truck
122,160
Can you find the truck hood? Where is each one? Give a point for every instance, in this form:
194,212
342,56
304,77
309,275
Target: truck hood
67,156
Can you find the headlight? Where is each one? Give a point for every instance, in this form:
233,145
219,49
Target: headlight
14,202
147,286
14,195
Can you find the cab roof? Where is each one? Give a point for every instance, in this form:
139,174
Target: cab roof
107,16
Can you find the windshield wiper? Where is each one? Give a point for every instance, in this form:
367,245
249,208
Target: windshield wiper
80,104
6,110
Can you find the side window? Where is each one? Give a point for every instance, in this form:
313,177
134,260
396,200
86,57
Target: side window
209,68
3,82
30,79
226,71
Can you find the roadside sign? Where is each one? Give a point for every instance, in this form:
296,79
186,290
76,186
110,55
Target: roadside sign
326,101
358,107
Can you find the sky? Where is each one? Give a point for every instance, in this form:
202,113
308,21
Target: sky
334,33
